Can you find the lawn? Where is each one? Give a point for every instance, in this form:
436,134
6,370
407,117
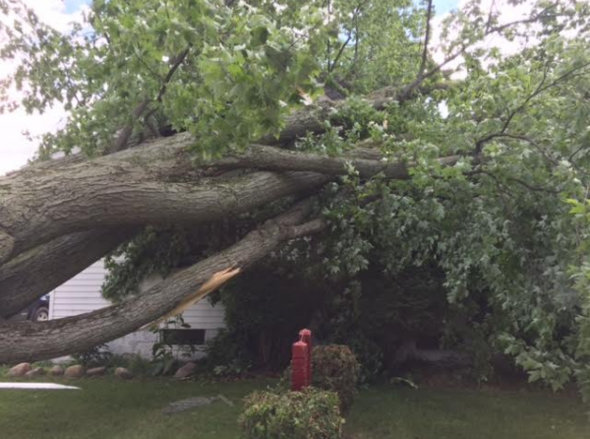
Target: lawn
106,408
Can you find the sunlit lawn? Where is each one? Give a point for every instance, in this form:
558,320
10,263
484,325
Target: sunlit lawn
106,408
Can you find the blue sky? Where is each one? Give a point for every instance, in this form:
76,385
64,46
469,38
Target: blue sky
73,5
441,6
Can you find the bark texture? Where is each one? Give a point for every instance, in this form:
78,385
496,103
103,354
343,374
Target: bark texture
275,159
33,341
36,272
57,218
154,184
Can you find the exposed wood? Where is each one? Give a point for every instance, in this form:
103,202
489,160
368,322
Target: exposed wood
212,284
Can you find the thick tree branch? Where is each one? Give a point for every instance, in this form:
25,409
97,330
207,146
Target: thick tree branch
134,187
155,184
275,159
127,130
42,269
32,341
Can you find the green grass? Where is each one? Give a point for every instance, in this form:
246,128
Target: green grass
404,413
112,409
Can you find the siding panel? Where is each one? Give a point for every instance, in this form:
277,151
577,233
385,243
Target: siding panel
81,294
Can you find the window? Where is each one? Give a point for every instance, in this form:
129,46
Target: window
183,336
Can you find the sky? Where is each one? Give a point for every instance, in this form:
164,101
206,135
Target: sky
15,149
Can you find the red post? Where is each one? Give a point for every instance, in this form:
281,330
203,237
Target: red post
305,337
299,360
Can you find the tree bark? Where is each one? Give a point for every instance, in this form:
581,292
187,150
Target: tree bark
57,218
35,203
275,159
38,271
34,341
154,184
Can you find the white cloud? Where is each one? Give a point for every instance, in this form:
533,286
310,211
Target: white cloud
53,13
507,13
15,148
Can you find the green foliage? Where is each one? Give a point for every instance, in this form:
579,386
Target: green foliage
310,414
494,226
579,270
154,251
164,354
227,74
335,368
262,313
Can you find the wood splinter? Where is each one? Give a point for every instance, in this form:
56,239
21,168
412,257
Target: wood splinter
212,284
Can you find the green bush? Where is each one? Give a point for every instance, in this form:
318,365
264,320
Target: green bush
310,414
335,368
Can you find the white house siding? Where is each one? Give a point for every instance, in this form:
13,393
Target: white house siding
82,294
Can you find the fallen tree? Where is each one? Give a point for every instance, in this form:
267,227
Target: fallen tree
217,120
44,340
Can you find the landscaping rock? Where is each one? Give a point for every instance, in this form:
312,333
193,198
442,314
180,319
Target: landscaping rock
96,371
38,371
76,371
56,371
185,371
123,373
19,370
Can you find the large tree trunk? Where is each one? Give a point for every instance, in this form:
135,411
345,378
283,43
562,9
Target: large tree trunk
51,199
36,272
148,185
132,198
57,218
32,341
154,184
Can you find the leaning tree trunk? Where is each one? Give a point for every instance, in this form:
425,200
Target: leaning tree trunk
30,341
135,186
57,218
36,272
148,185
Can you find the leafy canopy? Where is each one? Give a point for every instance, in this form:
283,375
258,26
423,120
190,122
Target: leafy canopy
509,221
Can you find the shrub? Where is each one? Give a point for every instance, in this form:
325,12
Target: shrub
336,369
310,414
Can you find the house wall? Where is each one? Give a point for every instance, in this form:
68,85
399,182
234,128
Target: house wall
82,294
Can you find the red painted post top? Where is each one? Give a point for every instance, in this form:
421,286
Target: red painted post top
300,354
305,336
